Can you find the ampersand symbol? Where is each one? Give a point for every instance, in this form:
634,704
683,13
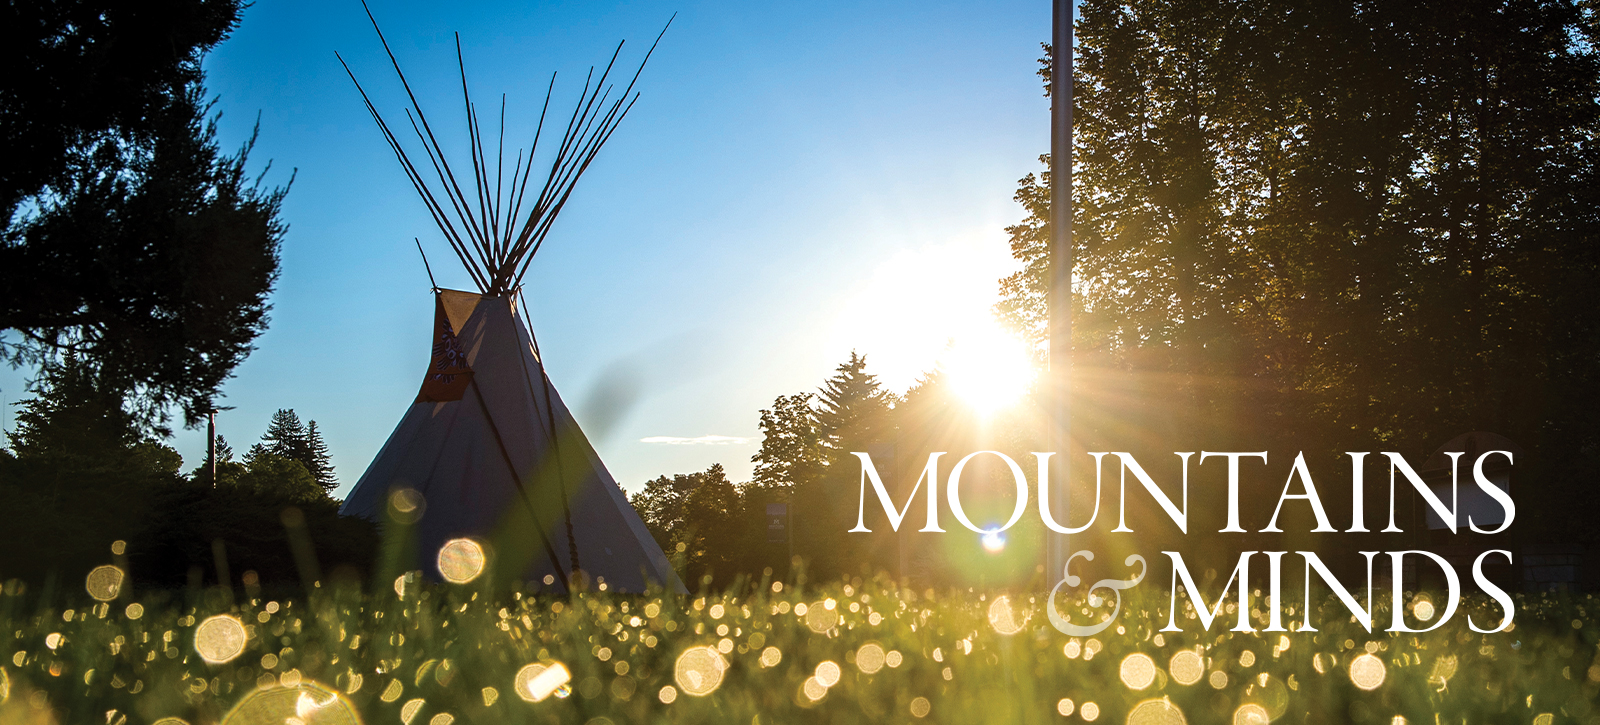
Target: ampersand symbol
1115,585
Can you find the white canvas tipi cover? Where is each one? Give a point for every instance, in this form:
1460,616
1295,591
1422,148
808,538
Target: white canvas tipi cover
497,457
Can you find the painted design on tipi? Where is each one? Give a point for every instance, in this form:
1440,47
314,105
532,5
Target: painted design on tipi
449,373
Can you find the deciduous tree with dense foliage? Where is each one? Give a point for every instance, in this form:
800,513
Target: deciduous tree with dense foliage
1336,226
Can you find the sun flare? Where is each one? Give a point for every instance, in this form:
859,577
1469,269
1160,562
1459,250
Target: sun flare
988,369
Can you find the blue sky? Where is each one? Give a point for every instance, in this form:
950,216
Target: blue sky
797,181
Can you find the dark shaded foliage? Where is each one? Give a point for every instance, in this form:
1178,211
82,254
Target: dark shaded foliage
129,238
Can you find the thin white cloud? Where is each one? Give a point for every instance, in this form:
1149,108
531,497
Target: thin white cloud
706,440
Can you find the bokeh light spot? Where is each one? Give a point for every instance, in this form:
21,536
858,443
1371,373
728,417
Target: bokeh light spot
828,673
1367,671
1250,714
1065,706
771,656
1186,667
461,560
408,711
668,695
1156,712
698,671
309,703
1218,679
406,583
813,690
920,707
219,639
104,583
821,618
406,505
870,658
1090,712
1138,671
134,611
1004,618
537,681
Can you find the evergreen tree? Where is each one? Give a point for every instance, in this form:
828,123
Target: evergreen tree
852,415
321,461
287,436
269,474
224,451
852,410
74,419
82,474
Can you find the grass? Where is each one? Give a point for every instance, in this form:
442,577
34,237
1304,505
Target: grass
854,652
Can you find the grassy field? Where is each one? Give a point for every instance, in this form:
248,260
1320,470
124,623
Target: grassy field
845,653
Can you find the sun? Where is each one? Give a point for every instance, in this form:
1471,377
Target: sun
989,369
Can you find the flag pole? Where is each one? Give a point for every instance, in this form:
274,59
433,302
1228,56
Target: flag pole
1060,300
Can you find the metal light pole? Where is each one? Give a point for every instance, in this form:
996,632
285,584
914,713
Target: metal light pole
1060,275
211,445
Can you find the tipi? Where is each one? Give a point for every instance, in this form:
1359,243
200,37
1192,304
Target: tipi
488,451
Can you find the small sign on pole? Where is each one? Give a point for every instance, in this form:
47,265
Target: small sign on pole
777,522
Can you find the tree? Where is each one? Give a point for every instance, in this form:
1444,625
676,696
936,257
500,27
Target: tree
289,438
129,238
1354,224
271,474
703,513
80,474
791,444
321,461
852,410
852,414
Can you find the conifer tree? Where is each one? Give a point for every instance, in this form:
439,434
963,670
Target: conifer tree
321,461
286,436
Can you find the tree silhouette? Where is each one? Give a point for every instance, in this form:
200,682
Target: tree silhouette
129,238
